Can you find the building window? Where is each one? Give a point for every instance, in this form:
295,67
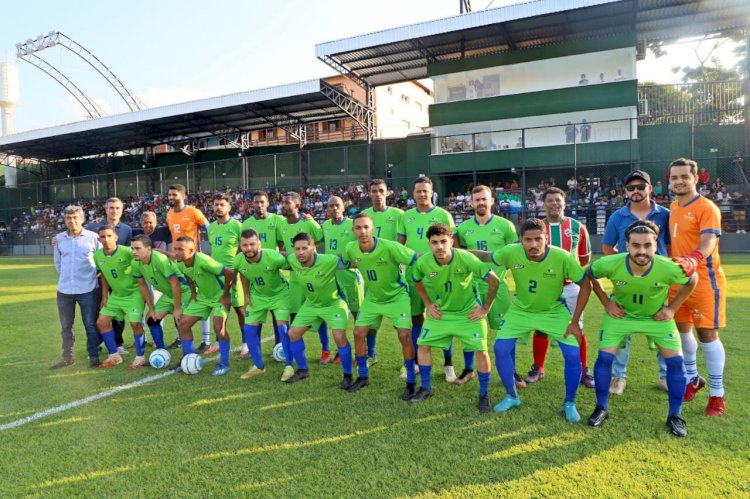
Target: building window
333,126
419,106
267,134
390,90
405,98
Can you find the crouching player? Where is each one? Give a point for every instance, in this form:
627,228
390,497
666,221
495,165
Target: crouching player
641,282
115,264
457,312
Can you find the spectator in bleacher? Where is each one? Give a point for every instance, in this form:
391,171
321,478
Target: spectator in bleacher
658,189
739,207
704,178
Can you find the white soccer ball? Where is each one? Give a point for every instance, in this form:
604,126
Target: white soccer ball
159,359
192,363
278,353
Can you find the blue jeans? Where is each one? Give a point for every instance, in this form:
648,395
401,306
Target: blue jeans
620,365
66,310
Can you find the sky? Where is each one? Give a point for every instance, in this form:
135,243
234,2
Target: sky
169,51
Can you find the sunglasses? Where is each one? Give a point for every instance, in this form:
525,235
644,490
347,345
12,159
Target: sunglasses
631,188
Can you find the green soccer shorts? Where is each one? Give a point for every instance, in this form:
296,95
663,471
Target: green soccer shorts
615,331
350,284
278,304
236,294
520,324
296,294
166,303
440,333
398,311
205,307
417,306
130,307
500,307
335,315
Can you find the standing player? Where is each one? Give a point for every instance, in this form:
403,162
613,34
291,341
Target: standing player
115,264
695,228
641,282
292,224
210,282
485,231
316,275
185,220
540,272
455,311
412,231
387,294
570,235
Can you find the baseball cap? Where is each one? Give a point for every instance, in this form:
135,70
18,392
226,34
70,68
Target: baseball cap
638,174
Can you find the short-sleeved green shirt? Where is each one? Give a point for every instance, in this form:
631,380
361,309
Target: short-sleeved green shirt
539,285
641,296
497,233
385,223
380,268
117,269
264,275
157,273
414,225
224,239
207,274
285,232
337,236
453,283
318,281
266,229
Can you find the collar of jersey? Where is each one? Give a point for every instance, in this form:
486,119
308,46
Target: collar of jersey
546,252
696,198
488,220
417,209
340,223
315,259
453,254
627,265
113,253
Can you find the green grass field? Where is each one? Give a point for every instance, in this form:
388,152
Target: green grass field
199,436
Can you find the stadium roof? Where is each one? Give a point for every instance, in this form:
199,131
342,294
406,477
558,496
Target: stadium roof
403,53
287,105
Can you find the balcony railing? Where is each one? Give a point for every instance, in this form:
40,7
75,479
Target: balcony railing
698,103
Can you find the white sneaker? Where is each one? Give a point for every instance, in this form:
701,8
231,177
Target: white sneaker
403,372
617,386
122,351
450,374
662,384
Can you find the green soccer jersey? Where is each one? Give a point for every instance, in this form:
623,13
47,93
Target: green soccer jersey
414,225
385,223
452,283
158,271
224,239
380,268
266,229
318,281
286,231
337,236
207,274
539,285
264,276
497,233
117,269
641,296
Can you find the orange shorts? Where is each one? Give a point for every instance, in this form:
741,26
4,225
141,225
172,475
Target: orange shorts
706,306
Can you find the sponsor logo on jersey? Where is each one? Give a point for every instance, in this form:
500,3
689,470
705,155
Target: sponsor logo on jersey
621,283
469,232
518,266
550,274
433,274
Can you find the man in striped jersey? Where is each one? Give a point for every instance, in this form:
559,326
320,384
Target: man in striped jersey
572,236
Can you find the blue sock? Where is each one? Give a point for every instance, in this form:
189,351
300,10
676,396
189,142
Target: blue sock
415,330
140,344
323,333
109,341
283,331
157,334
484,384
260,328
425,372
411,377
253,344
345,354
506,364
362,370
572,357
469,360
276,333
371,340
298,351
675,383
187,346
602,378
448,355
224,352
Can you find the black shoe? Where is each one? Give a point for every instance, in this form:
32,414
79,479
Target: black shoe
598,417
677,426
484,404
94,362
409,392
422,395
202,348
346,382
360,383
62,363
174,345
298,375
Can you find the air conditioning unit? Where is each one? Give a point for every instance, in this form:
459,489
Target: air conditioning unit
642,107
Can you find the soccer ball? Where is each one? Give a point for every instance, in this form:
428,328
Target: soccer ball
192,363
159,359
278,353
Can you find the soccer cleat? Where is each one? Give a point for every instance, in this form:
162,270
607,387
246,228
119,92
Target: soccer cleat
121,350
337,359
520,382
220,370
325,357
403,372
245,353
507,404
466,376
693,387
112,360
677,426
715,406
598,417
422,395
360,383
212,349
174,345
253,372
94,362
201,348
288,373
617,386
346,382
298,375
450,374
662,384
571,413
137,362
62,363
409,392
587,379
535,374
371,361
484,404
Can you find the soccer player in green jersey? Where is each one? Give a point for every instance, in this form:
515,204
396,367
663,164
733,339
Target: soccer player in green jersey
114,262
638,305
224,237
316,275
160,272
294,223
387,295
453,308
488,232
412,231
210,282
539,272
266,291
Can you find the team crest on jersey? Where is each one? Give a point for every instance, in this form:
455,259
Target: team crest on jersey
550,274
658,286
621,283
244,271
568,232
518,266
469,232
460,271
409,220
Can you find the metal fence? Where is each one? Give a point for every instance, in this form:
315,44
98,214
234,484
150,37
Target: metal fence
697,103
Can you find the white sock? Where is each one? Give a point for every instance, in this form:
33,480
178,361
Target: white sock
206,327
689,350
713,352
